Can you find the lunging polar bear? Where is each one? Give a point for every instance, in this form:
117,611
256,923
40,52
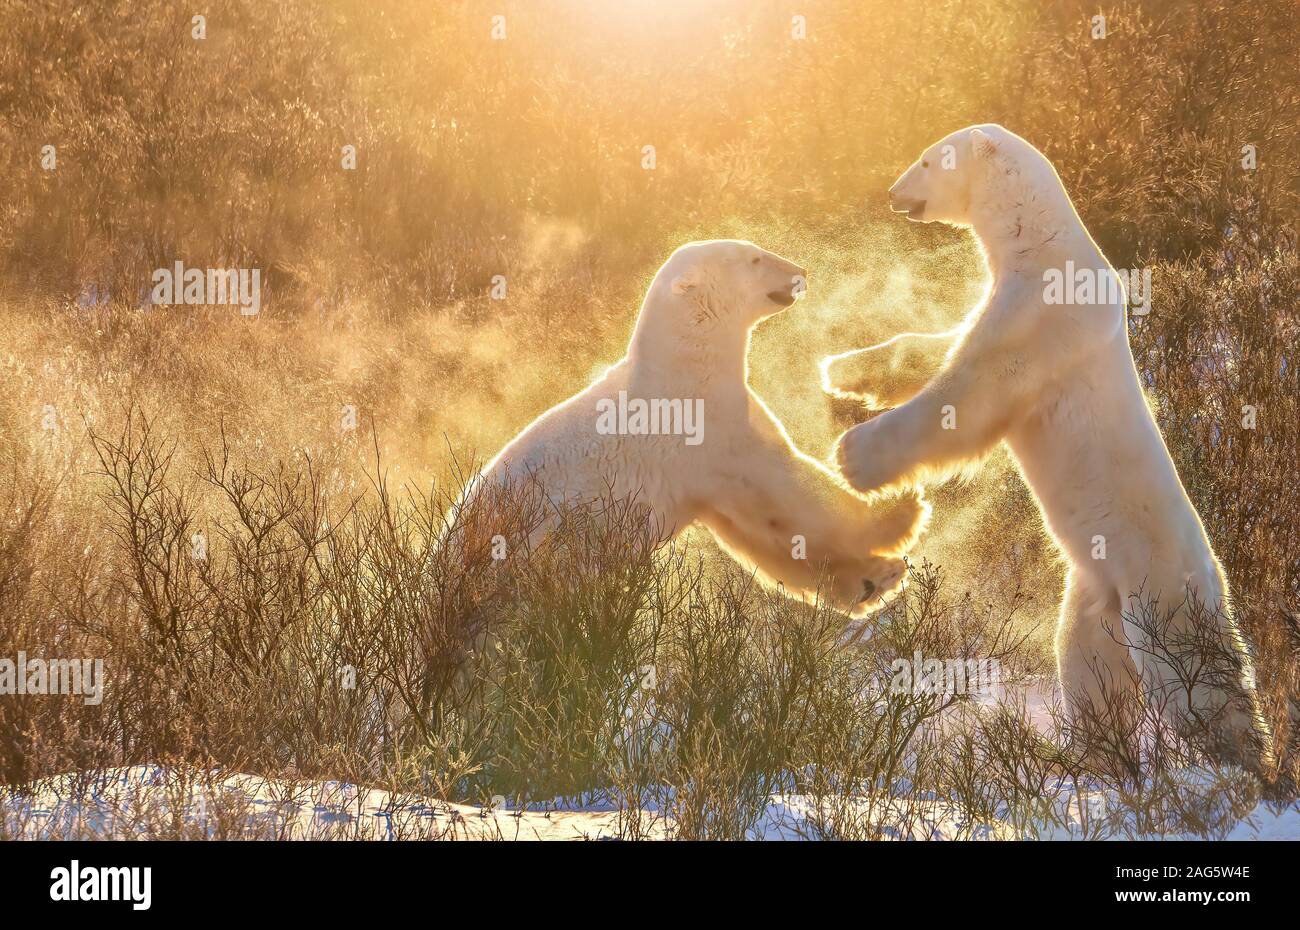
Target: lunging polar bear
675,424
1051,375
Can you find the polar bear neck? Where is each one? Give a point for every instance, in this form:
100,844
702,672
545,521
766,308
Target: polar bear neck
699,350
1024,220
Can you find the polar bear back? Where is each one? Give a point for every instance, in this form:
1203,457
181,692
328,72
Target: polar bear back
575,463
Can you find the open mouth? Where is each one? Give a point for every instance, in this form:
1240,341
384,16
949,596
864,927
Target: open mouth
784,298
912,209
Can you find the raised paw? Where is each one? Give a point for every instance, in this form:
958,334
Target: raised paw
866,463
888,374
882,576
863,585
852,375
899,520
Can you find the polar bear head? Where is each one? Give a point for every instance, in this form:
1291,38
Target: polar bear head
726,283
973,168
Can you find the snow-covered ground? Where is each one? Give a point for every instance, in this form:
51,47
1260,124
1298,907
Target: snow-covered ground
1076,815
117,803
151,800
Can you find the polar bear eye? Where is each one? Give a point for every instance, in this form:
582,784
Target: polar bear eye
754,260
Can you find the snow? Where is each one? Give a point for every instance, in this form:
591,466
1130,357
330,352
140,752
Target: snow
144,799
117,803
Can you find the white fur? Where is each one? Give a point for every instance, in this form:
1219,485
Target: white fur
745,480
1058,385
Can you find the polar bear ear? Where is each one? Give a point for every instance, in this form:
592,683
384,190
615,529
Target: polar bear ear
686,281
982,144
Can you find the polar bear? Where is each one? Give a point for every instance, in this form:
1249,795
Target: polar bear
675,425
1053,377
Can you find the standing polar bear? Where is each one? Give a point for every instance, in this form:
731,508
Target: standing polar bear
675,425
1050,374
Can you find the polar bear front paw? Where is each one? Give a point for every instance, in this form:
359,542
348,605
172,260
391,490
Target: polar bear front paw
862,584
897,521
850,376
881,577
866,463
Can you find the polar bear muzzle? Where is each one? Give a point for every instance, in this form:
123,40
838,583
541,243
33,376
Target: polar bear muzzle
796,285
783,298
911,207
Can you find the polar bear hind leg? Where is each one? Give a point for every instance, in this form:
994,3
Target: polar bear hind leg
1196,671
1099,682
